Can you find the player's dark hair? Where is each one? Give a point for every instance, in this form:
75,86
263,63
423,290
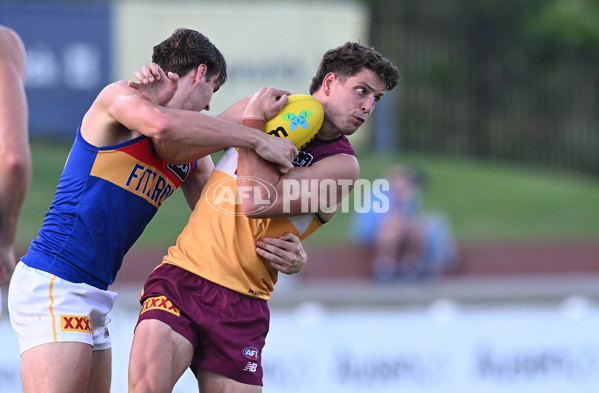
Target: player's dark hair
185,50
349,59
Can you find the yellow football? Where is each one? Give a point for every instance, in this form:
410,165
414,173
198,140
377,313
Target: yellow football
299,120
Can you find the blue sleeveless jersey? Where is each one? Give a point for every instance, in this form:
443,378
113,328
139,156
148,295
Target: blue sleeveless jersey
104,200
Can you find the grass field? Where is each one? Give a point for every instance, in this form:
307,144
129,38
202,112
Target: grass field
484,201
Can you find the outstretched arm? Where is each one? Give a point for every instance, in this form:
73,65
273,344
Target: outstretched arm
120,113
206,134
15,158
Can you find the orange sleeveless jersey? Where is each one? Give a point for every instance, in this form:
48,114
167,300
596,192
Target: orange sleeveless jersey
219,242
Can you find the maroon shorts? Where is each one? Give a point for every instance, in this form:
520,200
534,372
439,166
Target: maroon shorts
228,330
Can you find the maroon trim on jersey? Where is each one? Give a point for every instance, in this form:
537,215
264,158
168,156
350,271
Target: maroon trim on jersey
319,149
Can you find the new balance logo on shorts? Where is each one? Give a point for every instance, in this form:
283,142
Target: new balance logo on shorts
251,367
160,303
75,323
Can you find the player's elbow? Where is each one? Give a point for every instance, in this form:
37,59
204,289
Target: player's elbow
251,196
256,208
250,209
17,164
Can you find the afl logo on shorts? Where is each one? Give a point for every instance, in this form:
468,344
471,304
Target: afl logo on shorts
251,353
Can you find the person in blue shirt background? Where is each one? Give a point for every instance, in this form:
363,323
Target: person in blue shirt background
406,242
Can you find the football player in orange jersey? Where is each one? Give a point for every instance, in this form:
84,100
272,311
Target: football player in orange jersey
206,306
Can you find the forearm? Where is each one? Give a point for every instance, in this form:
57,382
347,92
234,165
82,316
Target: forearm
193,129
174,153
14,181
225,131
15,155
185,128
250,166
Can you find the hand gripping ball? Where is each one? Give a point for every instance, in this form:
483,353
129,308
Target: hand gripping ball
299,120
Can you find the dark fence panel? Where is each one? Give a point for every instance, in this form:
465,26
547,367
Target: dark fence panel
68,58
493,79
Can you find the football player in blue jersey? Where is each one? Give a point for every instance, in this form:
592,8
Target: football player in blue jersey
121,167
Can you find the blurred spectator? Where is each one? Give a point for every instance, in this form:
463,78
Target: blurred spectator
406,242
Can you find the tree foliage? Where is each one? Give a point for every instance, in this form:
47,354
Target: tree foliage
503,79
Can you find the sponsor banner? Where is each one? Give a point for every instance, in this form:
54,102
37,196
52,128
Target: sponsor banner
509,350
443,348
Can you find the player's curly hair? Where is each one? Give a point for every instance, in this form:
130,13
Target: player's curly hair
351,58
185,50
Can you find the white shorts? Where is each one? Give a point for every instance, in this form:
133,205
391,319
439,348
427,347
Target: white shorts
44,309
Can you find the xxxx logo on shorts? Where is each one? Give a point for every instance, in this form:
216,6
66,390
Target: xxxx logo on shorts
160,303
75,323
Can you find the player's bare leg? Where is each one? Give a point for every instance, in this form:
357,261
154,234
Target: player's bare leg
56,368
159,356
100,376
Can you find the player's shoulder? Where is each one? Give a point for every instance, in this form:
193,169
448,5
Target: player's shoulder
99,125
116,88
112,93
344,164
342,157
